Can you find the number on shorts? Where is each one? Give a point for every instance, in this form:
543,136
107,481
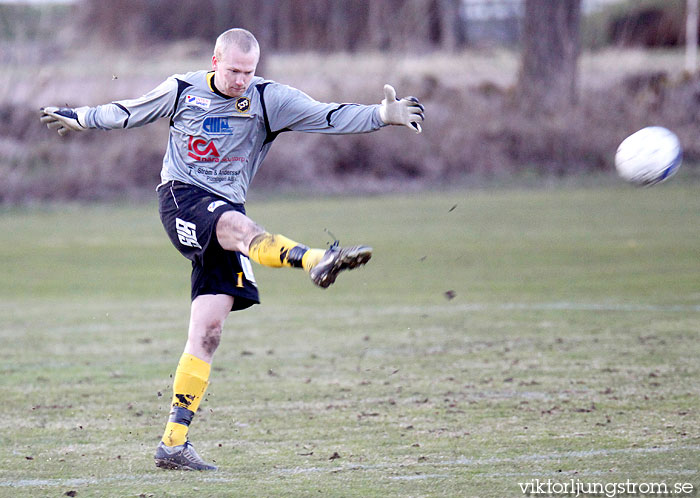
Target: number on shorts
247,271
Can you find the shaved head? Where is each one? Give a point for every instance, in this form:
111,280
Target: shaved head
240,38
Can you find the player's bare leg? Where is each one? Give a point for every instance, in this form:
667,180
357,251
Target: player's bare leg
237,232
207,317
234,231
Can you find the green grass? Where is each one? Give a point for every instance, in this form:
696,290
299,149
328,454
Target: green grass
568,349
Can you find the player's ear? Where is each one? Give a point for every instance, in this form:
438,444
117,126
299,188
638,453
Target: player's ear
213,62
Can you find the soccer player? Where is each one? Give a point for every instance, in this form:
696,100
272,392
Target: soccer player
222,124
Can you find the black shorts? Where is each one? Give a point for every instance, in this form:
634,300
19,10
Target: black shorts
189,215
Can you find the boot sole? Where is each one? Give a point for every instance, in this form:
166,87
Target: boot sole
167,464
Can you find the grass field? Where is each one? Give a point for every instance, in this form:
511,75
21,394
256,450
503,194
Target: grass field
495,338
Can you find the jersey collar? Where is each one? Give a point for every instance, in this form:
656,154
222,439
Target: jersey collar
212,86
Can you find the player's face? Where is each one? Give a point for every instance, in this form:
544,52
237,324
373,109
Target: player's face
234,71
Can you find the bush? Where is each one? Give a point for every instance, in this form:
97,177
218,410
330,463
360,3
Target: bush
644,23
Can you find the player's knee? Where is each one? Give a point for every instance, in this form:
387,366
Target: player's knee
211,336
234,231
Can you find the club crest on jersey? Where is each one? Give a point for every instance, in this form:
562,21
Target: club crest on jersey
202,102
243,105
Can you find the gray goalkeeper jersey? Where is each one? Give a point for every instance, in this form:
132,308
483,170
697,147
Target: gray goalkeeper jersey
218,142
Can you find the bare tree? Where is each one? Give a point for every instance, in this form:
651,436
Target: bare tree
282,25
691,36
379,30
448,24
550,50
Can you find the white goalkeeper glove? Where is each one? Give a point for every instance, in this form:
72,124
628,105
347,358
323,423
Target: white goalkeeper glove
406,111
64,119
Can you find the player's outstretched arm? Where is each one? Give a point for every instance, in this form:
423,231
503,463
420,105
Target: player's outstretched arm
407,111
64,119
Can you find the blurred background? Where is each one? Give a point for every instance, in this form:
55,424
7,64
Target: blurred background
516,91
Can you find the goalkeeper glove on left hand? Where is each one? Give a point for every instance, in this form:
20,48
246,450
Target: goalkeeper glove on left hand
406,111
64,119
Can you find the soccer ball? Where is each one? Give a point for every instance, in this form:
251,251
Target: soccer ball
649,156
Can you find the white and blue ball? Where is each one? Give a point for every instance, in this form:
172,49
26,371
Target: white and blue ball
649,156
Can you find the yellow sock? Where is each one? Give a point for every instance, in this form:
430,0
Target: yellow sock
311,258
277,250
190,383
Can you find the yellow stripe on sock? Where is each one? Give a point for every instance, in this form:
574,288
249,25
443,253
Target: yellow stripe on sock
311,258
175,434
